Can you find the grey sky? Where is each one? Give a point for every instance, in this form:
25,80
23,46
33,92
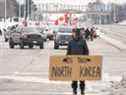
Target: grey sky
75,2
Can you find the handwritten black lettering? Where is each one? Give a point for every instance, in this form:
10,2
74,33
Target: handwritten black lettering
63,71
90,71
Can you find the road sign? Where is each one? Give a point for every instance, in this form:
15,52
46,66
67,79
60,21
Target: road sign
67,68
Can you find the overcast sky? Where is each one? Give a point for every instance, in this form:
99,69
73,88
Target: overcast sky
80,1
75,2
115,1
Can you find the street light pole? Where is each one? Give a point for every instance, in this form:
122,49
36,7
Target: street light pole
5,15
28,9
19,11
25,9
115,11
115,14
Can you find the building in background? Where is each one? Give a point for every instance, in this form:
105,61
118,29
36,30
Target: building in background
99,13
121,12
11,8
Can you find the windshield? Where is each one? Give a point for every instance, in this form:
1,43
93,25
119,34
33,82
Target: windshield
53,28
31,29
65,30
40,29
64,37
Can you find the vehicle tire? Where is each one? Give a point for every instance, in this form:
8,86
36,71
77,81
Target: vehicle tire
11,43
6,39
41,46
51,38
56,46
30,45
22,45
45,40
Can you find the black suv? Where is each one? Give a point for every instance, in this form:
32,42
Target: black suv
26,36
62,37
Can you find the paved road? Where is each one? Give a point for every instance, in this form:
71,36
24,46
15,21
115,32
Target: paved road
25,72
115,31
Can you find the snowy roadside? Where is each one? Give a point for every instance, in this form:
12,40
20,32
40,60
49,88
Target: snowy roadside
116,43
117,86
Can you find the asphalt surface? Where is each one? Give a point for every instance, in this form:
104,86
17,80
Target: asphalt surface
25,72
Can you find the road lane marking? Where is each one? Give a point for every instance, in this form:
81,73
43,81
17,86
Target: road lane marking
30,73
105,76
112,41
51,93
31,79
18,77
87,93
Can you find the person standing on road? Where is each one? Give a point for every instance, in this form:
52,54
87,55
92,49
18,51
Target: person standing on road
77,46
92,34
87,34
0,32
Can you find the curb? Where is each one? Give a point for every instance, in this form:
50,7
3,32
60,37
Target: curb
113,42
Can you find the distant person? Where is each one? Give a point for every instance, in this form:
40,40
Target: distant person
77,46
0,32
83,32
87,34
92,32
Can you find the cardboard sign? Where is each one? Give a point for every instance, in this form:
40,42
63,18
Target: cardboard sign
67,68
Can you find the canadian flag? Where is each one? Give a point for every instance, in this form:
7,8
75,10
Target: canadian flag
61,20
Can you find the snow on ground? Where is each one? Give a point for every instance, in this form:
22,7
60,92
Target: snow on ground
122,23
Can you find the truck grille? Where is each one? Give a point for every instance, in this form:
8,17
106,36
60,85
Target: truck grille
34,36
65,38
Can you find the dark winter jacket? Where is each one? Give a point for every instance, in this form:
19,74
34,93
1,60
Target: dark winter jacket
77,47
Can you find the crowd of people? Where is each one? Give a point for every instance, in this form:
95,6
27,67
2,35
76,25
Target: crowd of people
89,33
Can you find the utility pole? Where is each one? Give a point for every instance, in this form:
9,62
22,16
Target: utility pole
115,7
19,9
26,9
114,14
5,14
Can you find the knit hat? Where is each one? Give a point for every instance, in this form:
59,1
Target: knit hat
77,31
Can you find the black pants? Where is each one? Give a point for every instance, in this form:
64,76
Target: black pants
75,86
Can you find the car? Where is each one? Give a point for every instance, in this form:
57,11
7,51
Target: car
50,31
43,33
1,30
26,36
7,32
62,37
